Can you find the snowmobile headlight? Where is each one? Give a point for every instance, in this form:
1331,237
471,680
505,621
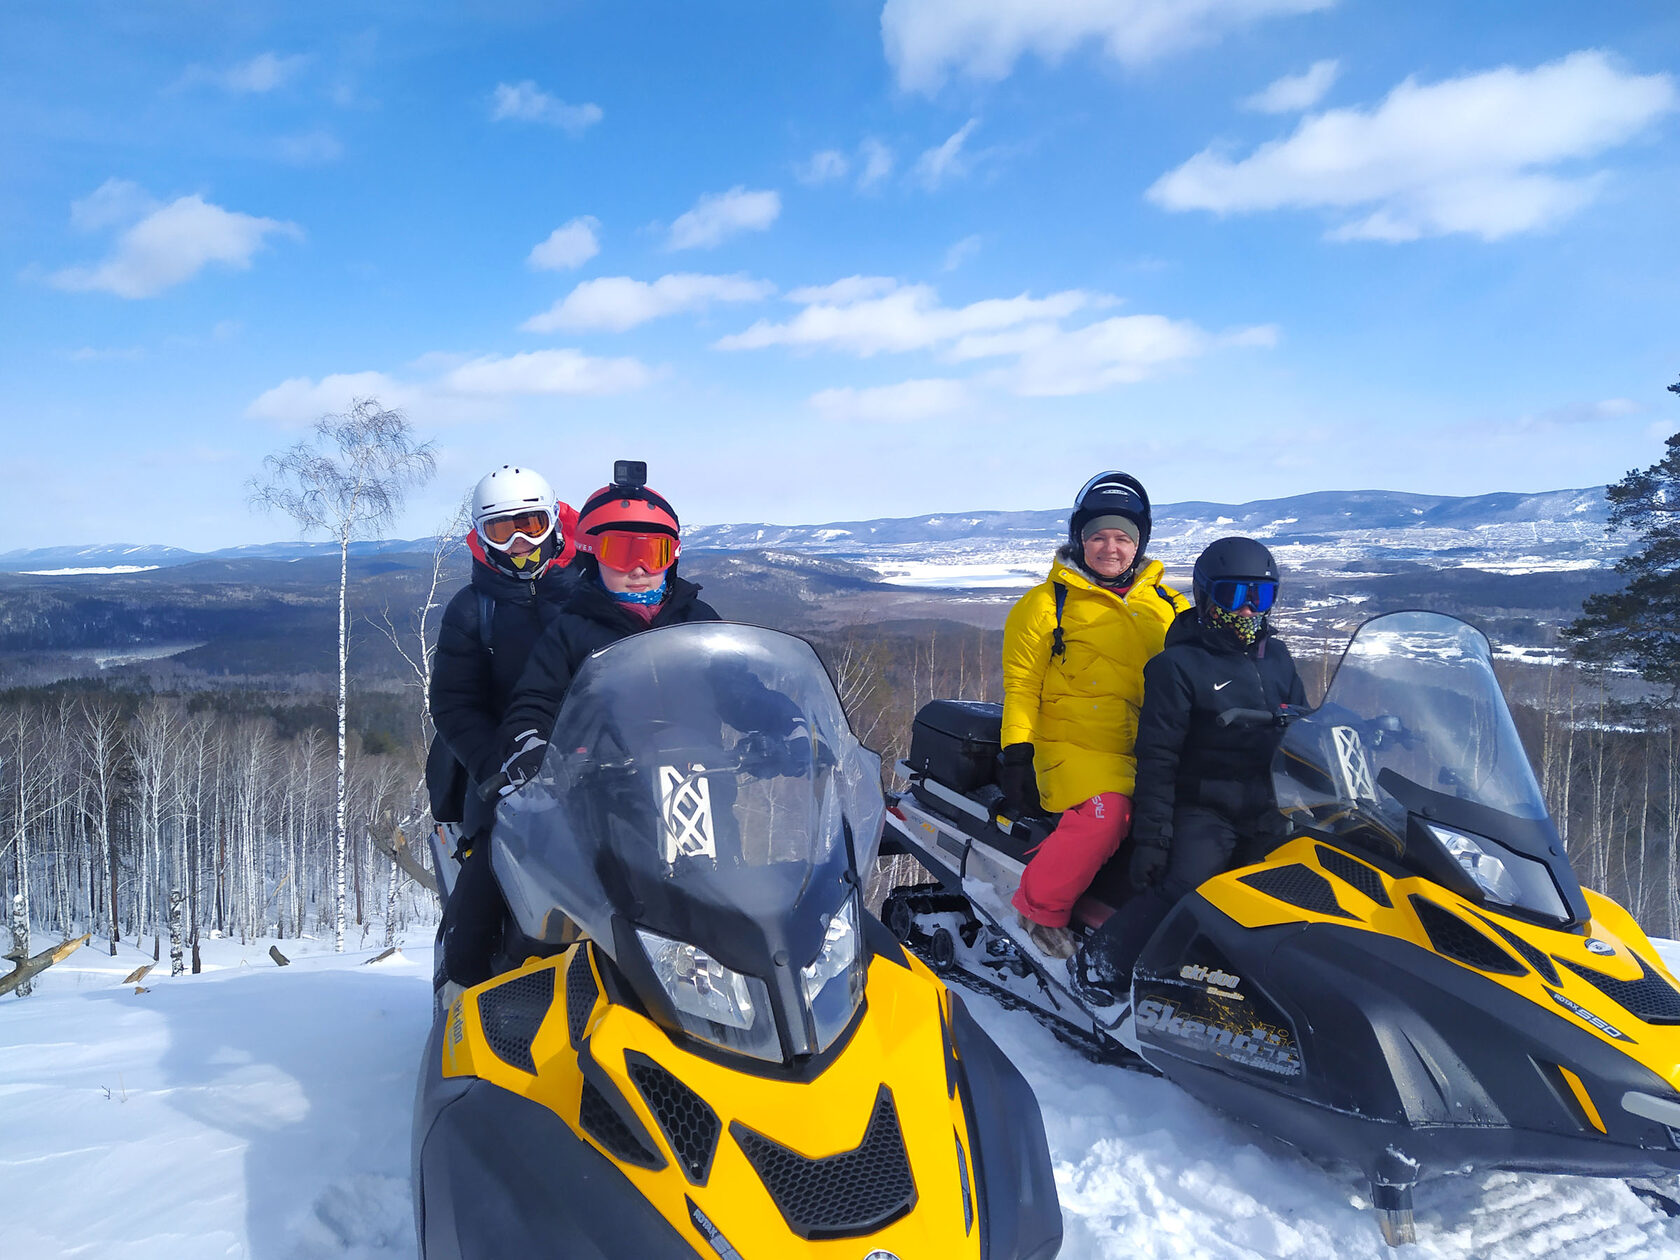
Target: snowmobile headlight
833,983
714,1003
1506,877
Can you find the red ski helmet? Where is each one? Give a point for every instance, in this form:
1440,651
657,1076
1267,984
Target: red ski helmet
635,510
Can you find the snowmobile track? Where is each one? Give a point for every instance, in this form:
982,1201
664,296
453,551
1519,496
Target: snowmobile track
900,911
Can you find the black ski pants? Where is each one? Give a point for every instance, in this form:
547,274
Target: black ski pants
1205,842
472,919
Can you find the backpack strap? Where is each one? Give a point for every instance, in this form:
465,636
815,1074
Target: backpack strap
1058,645
486,619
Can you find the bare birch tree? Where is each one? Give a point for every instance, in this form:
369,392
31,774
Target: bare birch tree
349,481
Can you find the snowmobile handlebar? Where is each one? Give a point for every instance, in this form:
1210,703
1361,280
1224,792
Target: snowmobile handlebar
755,754
1259,717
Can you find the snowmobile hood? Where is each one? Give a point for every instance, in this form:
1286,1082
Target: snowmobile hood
703,813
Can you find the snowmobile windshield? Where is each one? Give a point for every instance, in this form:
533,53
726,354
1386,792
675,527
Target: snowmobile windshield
1413,752
1415,694
702,814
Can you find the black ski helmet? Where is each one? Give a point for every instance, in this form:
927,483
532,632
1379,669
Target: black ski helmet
1110,494
1231,558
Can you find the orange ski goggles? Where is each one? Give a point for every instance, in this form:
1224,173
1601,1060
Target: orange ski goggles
624,552
502,530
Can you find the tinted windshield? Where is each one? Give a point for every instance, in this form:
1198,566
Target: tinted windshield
1415,694
691,768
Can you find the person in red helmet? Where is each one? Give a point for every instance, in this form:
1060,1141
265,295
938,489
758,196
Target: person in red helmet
629,540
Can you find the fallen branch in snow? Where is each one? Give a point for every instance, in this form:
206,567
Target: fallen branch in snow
380,957
398,851
29,968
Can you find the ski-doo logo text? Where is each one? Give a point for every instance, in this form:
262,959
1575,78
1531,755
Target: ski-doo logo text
1209,975
1258,1047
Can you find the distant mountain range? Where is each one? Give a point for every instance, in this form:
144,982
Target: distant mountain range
1328,529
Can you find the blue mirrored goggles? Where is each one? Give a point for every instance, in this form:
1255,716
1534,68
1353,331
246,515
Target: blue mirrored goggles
1231,594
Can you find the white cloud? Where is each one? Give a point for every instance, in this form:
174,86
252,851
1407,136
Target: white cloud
169,244
547,372
310,148
1036,354
927,39
961,252
263,73
877,161
300,400
904,403
945,161
855,315
823,167
467,391
92,354
1464,155
526,102
851,289
570,245
114,202
616,303
1293,93
1583,413
1122,350
872,164
717,215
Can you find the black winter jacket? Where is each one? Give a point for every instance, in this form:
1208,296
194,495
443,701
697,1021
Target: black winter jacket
471,687
1184,757
590,620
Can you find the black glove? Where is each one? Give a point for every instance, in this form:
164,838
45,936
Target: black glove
796,750
1149,863
1018,780
520,768
766,756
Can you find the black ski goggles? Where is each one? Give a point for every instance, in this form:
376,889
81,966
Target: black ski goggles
1233,593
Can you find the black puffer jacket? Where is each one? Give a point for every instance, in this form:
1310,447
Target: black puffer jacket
590,620
1184,757
470,686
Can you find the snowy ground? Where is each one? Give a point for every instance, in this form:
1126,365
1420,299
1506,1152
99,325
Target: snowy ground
262,1112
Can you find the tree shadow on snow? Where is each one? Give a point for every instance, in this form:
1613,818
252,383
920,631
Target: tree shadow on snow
313,1075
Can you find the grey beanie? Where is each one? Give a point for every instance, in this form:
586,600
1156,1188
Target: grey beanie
1098,523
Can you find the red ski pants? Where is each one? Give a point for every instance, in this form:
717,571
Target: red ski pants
1068,860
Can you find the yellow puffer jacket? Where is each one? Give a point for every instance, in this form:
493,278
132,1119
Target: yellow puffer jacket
1080,710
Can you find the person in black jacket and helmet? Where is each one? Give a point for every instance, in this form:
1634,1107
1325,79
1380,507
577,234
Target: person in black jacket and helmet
521,546
1204,800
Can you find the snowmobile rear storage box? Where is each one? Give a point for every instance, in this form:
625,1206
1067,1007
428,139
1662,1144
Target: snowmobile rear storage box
956,742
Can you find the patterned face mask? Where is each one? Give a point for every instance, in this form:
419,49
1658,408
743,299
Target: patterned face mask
1245,629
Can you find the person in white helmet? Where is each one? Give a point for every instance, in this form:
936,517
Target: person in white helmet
521,544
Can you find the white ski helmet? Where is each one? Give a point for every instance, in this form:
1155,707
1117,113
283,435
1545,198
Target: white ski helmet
510,491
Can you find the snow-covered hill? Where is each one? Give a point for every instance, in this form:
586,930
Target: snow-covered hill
262,1112
1328,529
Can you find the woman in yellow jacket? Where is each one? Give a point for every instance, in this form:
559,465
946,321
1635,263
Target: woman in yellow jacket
1074,648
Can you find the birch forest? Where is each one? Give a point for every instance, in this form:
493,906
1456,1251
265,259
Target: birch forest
158,819
155,822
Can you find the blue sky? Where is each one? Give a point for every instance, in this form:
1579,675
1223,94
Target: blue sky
837,259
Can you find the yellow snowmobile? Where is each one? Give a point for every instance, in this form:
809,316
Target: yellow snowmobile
737,1062
1415,981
